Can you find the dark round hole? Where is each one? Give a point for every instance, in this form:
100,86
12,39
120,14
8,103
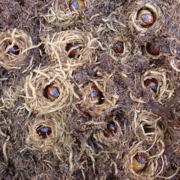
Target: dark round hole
14,50
21,2
148,128
43,131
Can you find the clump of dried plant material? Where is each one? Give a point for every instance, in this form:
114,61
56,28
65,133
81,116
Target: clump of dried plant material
59,141
58,137
165,87
114,25
110,139
60,15
152,168
107,99
10,96
154,9
126,48
145,126
35,86
37,141
55,47
8,40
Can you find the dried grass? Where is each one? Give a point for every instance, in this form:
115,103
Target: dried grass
117,138
10,96
109,98
59,136
34,87
145,127
59,15
8,40
55,47
59,142
114,25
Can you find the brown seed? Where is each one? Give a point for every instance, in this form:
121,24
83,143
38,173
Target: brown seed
152,83
73,52
96,94
145,17
154,49
111,129
118,47
139,162
43,131
76,5
14,50
52,92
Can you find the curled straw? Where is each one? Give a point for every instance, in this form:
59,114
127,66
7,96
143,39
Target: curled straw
114,138
60,15
55,47
59,141
145,126
108,99
158,17
8,40
164,90
151,170
35,85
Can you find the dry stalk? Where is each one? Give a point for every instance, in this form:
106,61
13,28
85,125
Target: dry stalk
154,8
35,85
7,41
55,47
151,170
165,88
133,98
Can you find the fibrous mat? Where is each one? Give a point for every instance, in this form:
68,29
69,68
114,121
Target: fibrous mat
89,89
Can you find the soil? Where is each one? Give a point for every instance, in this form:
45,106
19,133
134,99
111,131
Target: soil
87,153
